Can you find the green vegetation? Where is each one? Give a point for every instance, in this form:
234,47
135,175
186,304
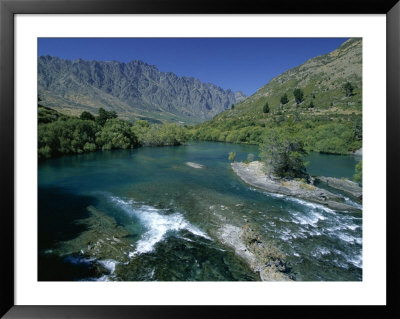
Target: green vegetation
298,96
116,134
60,134
358,174
87,116
159,135
104,116
319,131
284,99
283,152
326,120
266,108
349,89
232,156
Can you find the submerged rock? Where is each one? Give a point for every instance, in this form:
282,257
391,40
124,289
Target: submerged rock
194,165
104,242
253,174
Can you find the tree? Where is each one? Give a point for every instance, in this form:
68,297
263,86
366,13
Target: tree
158,135
311,105
349,89
87,116
283,154
284,99
232,156
105,115
358,174
232,106
266,108
116,134
298,95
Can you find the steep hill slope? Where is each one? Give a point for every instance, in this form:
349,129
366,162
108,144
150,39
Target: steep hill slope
133,90
329,117
322,77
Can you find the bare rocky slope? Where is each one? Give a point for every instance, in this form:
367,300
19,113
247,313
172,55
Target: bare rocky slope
133,90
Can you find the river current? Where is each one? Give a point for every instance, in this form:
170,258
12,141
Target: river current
169,212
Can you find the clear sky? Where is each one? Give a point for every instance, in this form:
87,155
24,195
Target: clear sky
243,64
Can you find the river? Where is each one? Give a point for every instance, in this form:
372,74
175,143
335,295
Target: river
169,212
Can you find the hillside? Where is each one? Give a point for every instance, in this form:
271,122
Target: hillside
322,76
329,118
135,90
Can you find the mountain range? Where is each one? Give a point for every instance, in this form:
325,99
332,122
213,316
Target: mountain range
134,90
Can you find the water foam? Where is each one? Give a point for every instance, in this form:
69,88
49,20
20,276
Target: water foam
296,200
108,264
351,203
78,260
156,223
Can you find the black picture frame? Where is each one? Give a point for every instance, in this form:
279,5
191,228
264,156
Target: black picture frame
8,8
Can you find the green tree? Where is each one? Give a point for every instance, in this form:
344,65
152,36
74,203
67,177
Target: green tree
349,89
298,95
283,154
166,134
232,106
266,108
358,174
69,136
116,134
87,116
311,105
104,116
284,99
232,156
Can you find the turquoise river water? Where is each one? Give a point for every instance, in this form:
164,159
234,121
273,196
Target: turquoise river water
170,212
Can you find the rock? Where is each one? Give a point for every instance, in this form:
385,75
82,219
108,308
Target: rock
194,165
238,239
253,174
103,239
129,88
342,184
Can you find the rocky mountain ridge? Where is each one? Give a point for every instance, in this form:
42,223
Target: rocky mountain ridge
134,90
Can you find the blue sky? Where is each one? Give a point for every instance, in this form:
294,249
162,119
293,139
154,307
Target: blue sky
243,64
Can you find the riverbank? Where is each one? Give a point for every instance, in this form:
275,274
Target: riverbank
254,175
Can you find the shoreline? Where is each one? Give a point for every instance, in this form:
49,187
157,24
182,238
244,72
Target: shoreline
253,174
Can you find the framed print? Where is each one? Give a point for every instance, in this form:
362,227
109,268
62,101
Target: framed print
175,159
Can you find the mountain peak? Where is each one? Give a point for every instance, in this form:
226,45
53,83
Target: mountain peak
134,90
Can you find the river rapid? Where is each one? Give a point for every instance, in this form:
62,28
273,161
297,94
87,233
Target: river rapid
166,214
